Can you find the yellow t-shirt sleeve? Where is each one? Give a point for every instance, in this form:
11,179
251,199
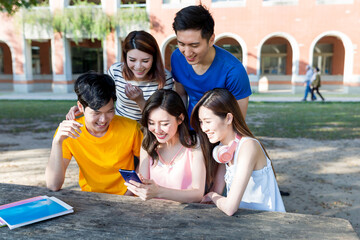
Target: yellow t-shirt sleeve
137,141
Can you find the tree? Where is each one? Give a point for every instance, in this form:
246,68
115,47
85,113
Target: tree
11,6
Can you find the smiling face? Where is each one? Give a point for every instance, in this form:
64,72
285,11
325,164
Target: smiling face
163,125
195,48
97,121
139,63
217,129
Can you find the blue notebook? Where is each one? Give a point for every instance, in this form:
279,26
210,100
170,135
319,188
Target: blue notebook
32,210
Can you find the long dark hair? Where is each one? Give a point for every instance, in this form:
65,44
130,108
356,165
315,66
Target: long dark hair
144,42
172,103
221,102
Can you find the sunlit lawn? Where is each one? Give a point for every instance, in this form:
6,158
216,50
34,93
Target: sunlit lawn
330,120
306,120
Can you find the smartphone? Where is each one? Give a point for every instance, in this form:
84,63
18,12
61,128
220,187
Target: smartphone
129,175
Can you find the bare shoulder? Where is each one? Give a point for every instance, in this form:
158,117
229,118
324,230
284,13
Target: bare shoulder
250,146
197,152
252,150
143,153
197,149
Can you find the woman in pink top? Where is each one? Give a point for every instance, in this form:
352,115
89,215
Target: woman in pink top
171,163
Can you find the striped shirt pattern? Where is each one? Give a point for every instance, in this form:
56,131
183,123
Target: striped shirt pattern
126,107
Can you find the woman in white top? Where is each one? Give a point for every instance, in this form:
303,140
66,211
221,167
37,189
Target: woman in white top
244,165
139,75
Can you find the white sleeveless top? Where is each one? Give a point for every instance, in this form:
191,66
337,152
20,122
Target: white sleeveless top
262,191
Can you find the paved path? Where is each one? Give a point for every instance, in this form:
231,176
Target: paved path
254,98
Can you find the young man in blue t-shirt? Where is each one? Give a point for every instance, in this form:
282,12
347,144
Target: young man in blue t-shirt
198,65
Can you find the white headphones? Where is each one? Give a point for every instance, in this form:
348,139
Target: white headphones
224,154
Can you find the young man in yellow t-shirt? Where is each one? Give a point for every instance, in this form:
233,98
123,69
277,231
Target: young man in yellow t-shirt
100,142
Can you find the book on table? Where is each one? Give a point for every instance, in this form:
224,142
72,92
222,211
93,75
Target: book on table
32,210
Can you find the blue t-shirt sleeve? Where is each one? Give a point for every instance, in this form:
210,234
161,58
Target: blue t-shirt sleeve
237,82
179,67
174,62
225,72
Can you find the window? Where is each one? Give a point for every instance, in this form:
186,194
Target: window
42,3
320,2
273,59
178,2
132,4
323,54
234,50
279,2
97,2
86,59
230,46
133,1
35,59
41,57
228,3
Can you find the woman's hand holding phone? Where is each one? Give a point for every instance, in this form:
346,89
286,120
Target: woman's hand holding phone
146,190
129,175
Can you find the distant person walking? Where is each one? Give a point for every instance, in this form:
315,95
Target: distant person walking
316,84
309,74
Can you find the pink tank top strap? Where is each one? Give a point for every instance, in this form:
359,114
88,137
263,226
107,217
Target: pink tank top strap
173,158
190,156
176,176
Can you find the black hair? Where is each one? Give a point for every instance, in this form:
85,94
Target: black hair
196,18
95,90
171,102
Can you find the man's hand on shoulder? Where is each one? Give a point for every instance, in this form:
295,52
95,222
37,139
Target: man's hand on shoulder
67,128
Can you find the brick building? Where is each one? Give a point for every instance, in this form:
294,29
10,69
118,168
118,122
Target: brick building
274,39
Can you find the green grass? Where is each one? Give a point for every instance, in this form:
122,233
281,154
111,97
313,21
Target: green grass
315,120
322,121
21,115
28,110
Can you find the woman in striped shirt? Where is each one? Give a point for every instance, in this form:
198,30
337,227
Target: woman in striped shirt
139,75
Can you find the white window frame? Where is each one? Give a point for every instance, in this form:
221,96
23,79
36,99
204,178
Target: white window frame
331,2
228,4
178,3
279,2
